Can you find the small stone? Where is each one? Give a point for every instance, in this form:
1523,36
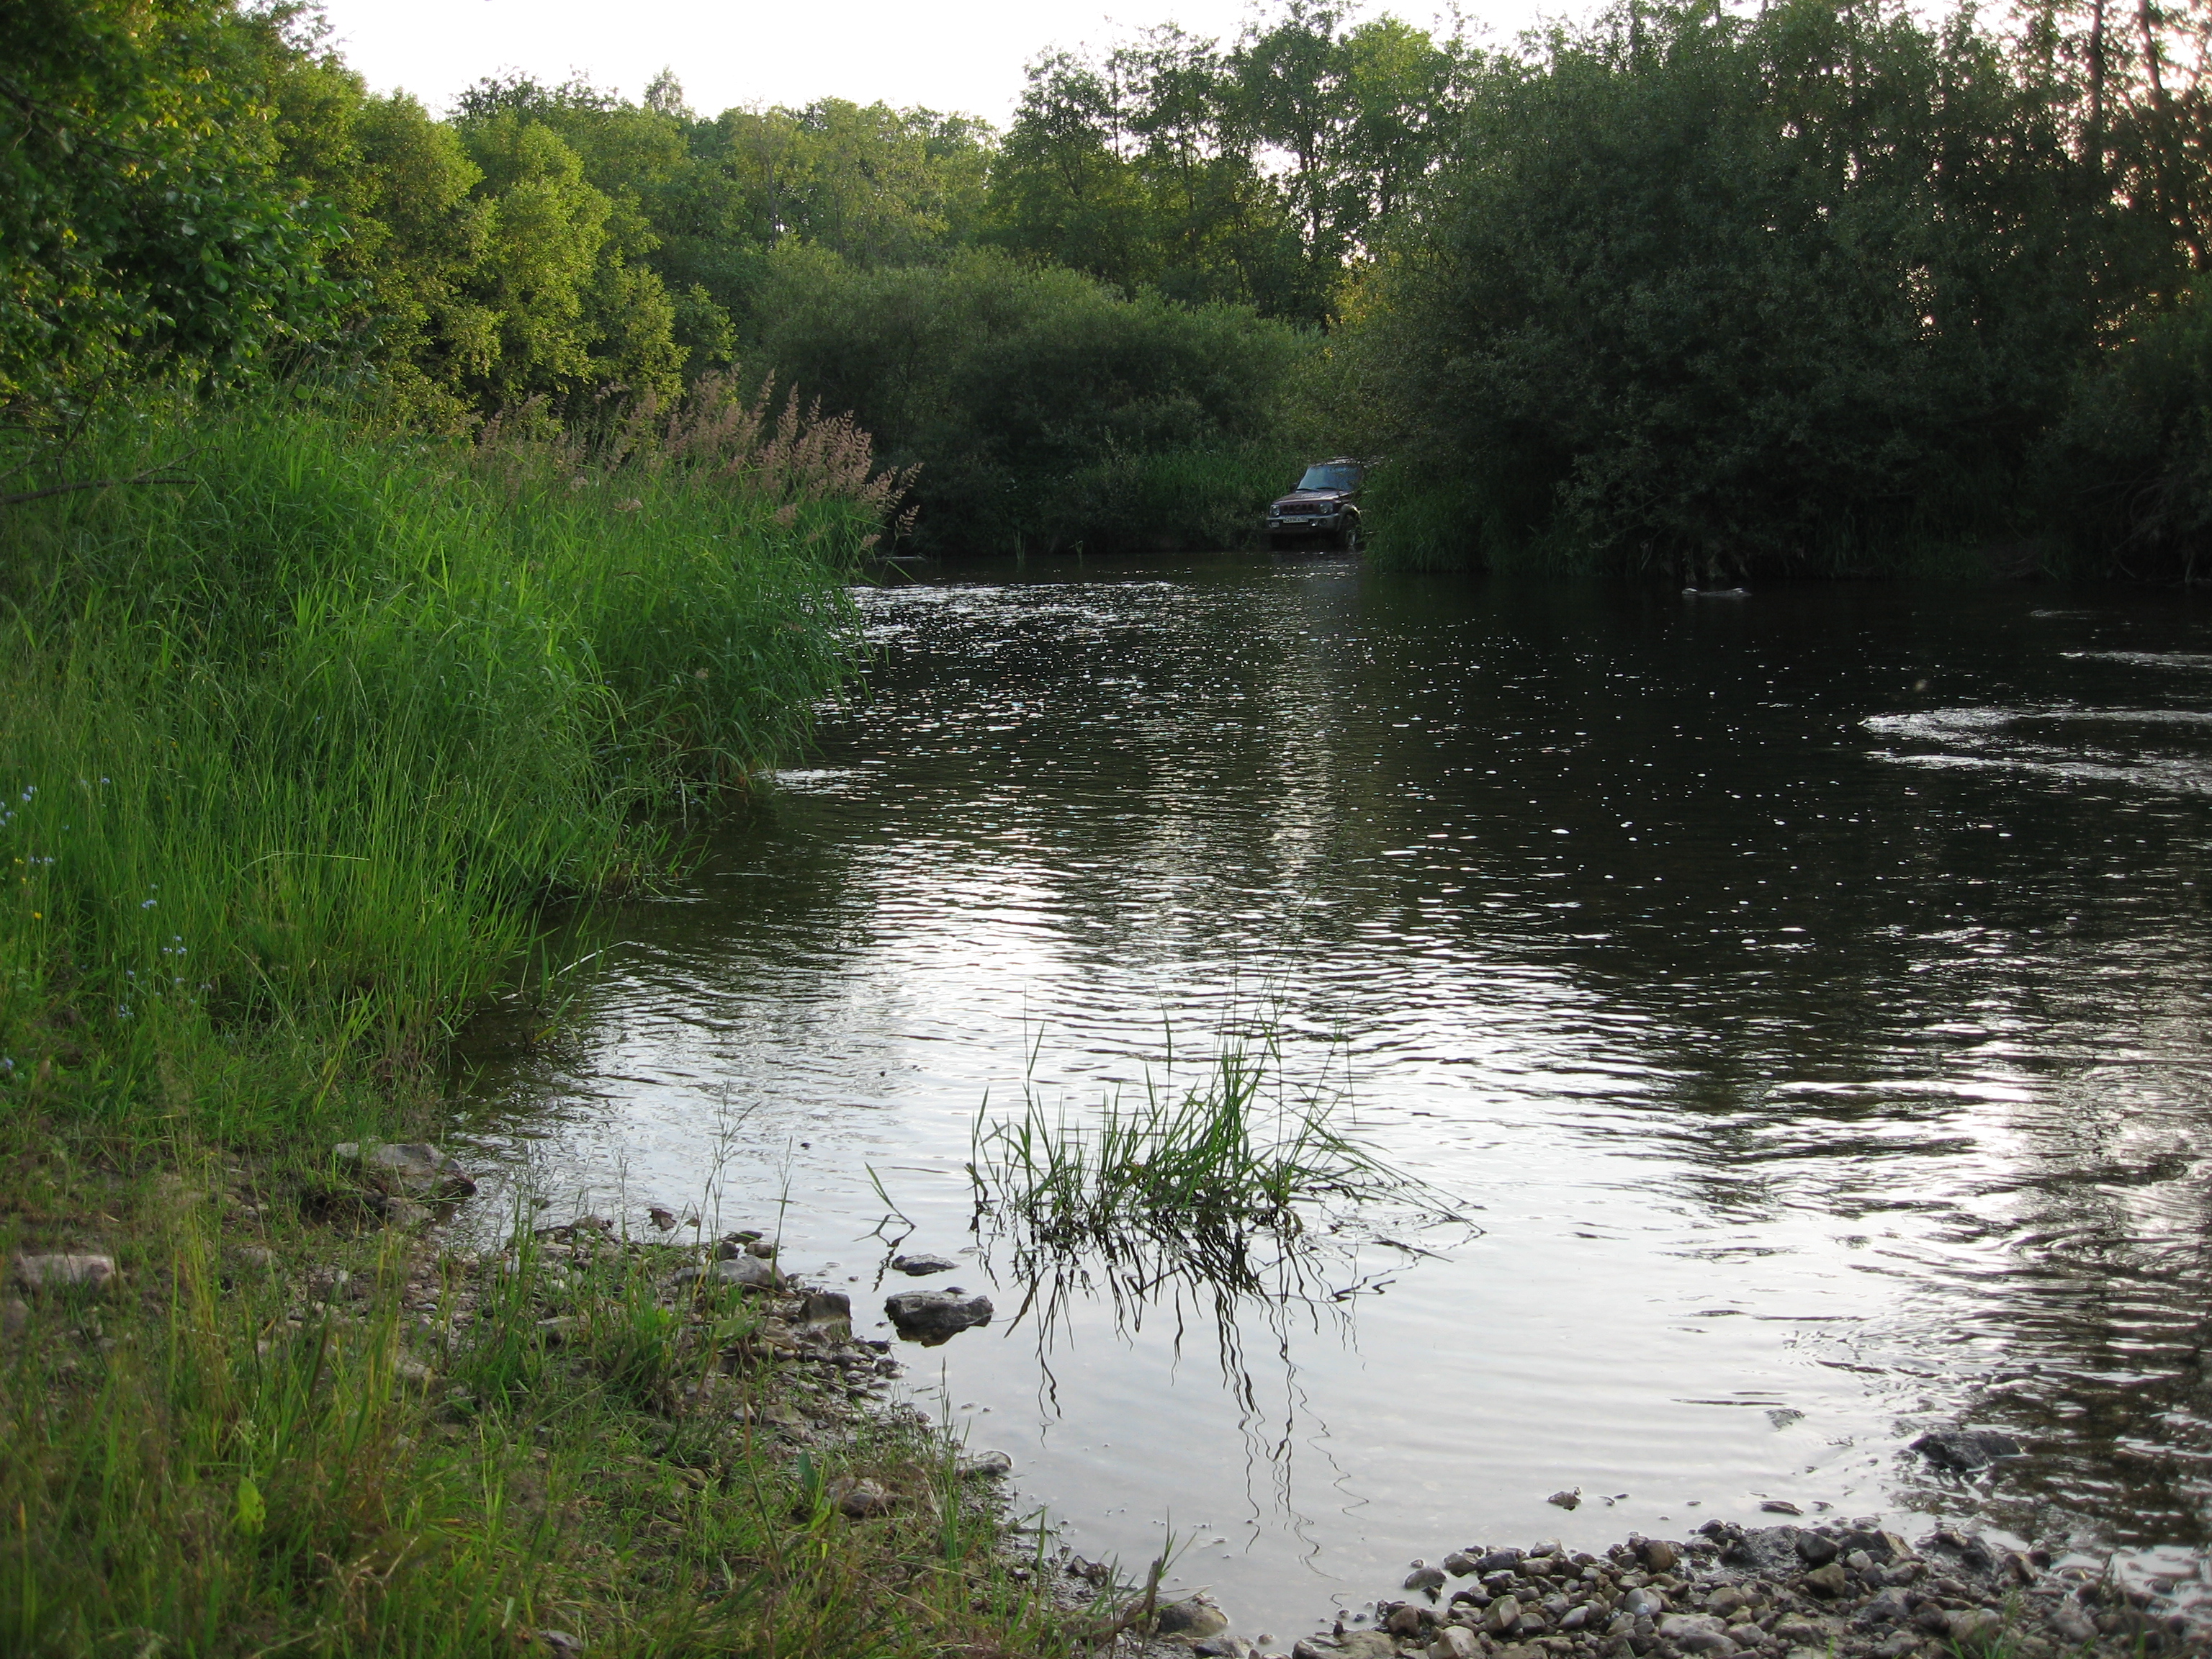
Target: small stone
1859,1561
1311,1650
745,1272
63,1273
1886,1607
1779,1506
1802,1632
14,1317
1695,1632
402,1211
2071,1624
1895,1646
1367,1644
408,1368
1566,1500
1643,1603
1431,1579
921,1265
1576,1617
1499,1561
760,1248
1966,1450
1406,1620
1829,1581
414,1167
1975,1629
827,1314
560,1330
563,1645
1459,1563
1195,1618
987,1465
1503,1613
851,1496
259,1257
1453,1642
1657,1555
1725,1601
1814,1548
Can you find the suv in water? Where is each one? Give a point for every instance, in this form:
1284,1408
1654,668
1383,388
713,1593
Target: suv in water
1325,504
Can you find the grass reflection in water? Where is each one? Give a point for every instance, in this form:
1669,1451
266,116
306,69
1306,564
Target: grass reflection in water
1243,1190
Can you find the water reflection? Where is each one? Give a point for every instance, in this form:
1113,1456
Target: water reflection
1810,990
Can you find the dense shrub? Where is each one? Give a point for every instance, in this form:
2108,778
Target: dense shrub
1020,392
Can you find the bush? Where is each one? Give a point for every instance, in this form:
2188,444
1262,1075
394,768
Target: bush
2129,470
1026,397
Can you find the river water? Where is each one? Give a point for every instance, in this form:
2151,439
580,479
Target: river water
1804,994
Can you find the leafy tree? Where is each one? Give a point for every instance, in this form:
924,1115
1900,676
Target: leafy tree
1701,292
142,225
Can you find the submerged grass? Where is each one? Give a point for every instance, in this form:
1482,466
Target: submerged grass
1242,1151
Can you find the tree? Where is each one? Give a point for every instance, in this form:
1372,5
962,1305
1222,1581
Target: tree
141,226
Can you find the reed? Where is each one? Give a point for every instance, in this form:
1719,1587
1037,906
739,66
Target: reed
290,751
1243,1150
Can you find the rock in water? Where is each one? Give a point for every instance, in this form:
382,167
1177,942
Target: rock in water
987,1465
1566,1500
1196,1619
1966,1450
921,1266
930,1317
1431,1579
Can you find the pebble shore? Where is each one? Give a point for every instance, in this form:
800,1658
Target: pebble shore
1842,1591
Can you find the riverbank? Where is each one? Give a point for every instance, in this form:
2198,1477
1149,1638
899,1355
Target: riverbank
302,725
248,1411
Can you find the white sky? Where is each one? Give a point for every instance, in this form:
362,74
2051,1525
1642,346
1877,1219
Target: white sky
958,56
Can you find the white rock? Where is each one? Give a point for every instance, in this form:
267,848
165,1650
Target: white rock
63,1273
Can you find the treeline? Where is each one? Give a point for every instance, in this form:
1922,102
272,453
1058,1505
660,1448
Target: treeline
1820,289
1823,288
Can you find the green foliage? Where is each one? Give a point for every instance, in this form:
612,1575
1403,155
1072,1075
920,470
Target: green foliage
222,1457
2127,471
1702,294
1252,174
1009,386
141,224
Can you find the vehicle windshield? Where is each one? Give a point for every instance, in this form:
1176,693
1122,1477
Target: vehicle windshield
1326,476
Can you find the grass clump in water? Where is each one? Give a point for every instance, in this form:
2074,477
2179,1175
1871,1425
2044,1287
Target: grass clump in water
1197,1169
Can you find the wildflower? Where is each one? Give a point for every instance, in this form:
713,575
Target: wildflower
148,904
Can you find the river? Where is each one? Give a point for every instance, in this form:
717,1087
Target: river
1805,996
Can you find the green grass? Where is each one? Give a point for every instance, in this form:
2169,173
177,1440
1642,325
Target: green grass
224,1458
292,751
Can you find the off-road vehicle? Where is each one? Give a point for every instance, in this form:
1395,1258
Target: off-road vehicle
1324,508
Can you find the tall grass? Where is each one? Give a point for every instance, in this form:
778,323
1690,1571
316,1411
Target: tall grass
288,751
